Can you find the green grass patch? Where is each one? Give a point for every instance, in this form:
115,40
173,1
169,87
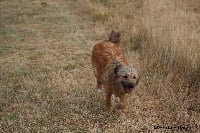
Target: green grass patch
14,19
7,97
36,12
11,37
98,16
54,19
9,117
5,48
70,67
73,66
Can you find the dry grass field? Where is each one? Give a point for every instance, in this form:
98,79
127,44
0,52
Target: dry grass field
46,79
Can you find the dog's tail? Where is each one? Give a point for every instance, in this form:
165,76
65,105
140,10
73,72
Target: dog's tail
114,37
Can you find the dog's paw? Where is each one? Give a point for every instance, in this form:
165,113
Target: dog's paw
99,90
120,106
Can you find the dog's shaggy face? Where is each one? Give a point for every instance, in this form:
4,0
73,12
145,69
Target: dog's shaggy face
125,79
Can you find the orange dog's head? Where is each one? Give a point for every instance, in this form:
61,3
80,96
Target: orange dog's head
125,78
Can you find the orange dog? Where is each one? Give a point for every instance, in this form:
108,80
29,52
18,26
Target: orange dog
112,71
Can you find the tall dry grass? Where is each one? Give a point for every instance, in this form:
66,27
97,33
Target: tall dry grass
174,44
172,51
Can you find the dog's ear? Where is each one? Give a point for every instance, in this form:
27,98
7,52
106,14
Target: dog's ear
117,67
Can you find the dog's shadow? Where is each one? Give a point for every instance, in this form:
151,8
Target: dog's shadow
95,107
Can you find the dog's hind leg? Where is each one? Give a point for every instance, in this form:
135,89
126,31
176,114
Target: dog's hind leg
99,86
99,83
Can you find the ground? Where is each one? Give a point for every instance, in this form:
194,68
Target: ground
46,78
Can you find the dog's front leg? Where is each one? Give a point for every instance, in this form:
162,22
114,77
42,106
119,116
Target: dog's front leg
108,101
123,102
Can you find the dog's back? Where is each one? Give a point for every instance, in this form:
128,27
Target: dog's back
105,52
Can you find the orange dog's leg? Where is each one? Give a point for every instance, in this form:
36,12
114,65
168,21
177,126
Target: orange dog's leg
108,101
123,102
99,86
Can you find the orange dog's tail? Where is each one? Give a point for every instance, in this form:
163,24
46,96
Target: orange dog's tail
114,37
